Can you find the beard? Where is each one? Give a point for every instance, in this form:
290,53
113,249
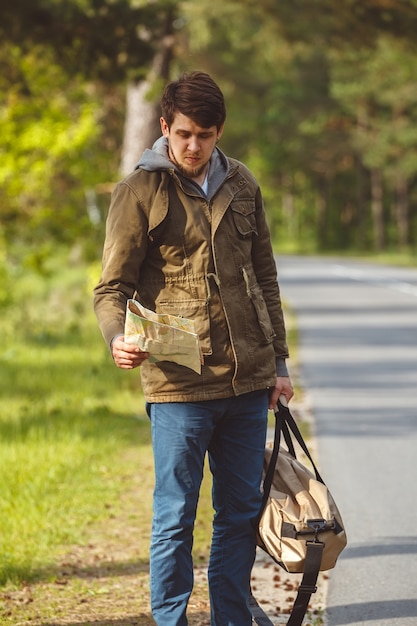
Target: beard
189,172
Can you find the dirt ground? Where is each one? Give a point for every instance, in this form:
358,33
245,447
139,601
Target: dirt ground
104,584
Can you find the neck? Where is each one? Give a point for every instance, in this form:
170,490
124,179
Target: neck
200,177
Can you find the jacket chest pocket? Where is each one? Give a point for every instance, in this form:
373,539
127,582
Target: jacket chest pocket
244,212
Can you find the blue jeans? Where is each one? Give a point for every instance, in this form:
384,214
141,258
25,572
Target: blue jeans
233,431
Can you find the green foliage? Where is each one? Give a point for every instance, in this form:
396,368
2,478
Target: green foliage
5,275
51,135
378,90
315,110
325,115
104,40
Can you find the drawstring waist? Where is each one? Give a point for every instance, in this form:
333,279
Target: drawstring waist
216,280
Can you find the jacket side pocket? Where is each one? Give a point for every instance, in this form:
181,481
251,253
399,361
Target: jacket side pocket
196,310
255,294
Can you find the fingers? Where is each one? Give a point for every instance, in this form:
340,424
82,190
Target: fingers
283,386
127,356
128,360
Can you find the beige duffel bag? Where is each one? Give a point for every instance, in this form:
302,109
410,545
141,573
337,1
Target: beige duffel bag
299,526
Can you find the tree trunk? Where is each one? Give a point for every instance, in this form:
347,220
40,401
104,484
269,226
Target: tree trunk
360,221
142,126
377,209
288,207
321,214
401,212
362,180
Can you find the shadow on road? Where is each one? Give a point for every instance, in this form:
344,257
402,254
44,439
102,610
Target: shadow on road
386,547
372,612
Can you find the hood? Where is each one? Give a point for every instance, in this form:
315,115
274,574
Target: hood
157,159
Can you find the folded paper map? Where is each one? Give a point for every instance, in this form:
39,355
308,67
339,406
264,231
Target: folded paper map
166,337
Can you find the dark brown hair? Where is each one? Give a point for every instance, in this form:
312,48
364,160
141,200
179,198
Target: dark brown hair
197,96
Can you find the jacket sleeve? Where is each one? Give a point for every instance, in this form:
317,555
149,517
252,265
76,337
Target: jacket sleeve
124,250
266,273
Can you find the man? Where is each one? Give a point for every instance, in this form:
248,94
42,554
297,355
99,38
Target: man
187,235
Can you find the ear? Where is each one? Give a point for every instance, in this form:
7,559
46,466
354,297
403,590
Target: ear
220,132
164,127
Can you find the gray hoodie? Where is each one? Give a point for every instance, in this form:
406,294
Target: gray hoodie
158,159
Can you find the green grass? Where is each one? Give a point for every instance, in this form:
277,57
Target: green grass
67,419
406,258
72,426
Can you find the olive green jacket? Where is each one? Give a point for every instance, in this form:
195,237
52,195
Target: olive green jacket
205,258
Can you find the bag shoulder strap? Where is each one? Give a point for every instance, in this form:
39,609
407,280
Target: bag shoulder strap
308,583
307,587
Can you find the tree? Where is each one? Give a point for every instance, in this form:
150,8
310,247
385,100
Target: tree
377,90
298,128
63,68
105,40
142,102
50,128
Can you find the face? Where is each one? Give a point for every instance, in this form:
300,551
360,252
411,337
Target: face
190,146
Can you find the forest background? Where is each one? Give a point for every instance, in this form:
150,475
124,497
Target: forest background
322,106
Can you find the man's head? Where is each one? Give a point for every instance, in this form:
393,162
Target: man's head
193,114
196,96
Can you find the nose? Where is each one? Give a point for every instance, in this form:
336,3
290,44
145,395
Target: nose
193,144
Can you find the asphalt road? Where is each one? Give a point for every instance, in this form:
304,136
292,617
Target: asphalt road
358,356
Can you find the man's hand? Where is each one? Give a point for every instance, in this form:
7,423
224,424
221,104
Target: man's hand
126,356
282,386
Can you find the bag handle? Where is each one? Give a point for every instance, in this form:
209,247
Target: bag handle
269,474
285,424
289,426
